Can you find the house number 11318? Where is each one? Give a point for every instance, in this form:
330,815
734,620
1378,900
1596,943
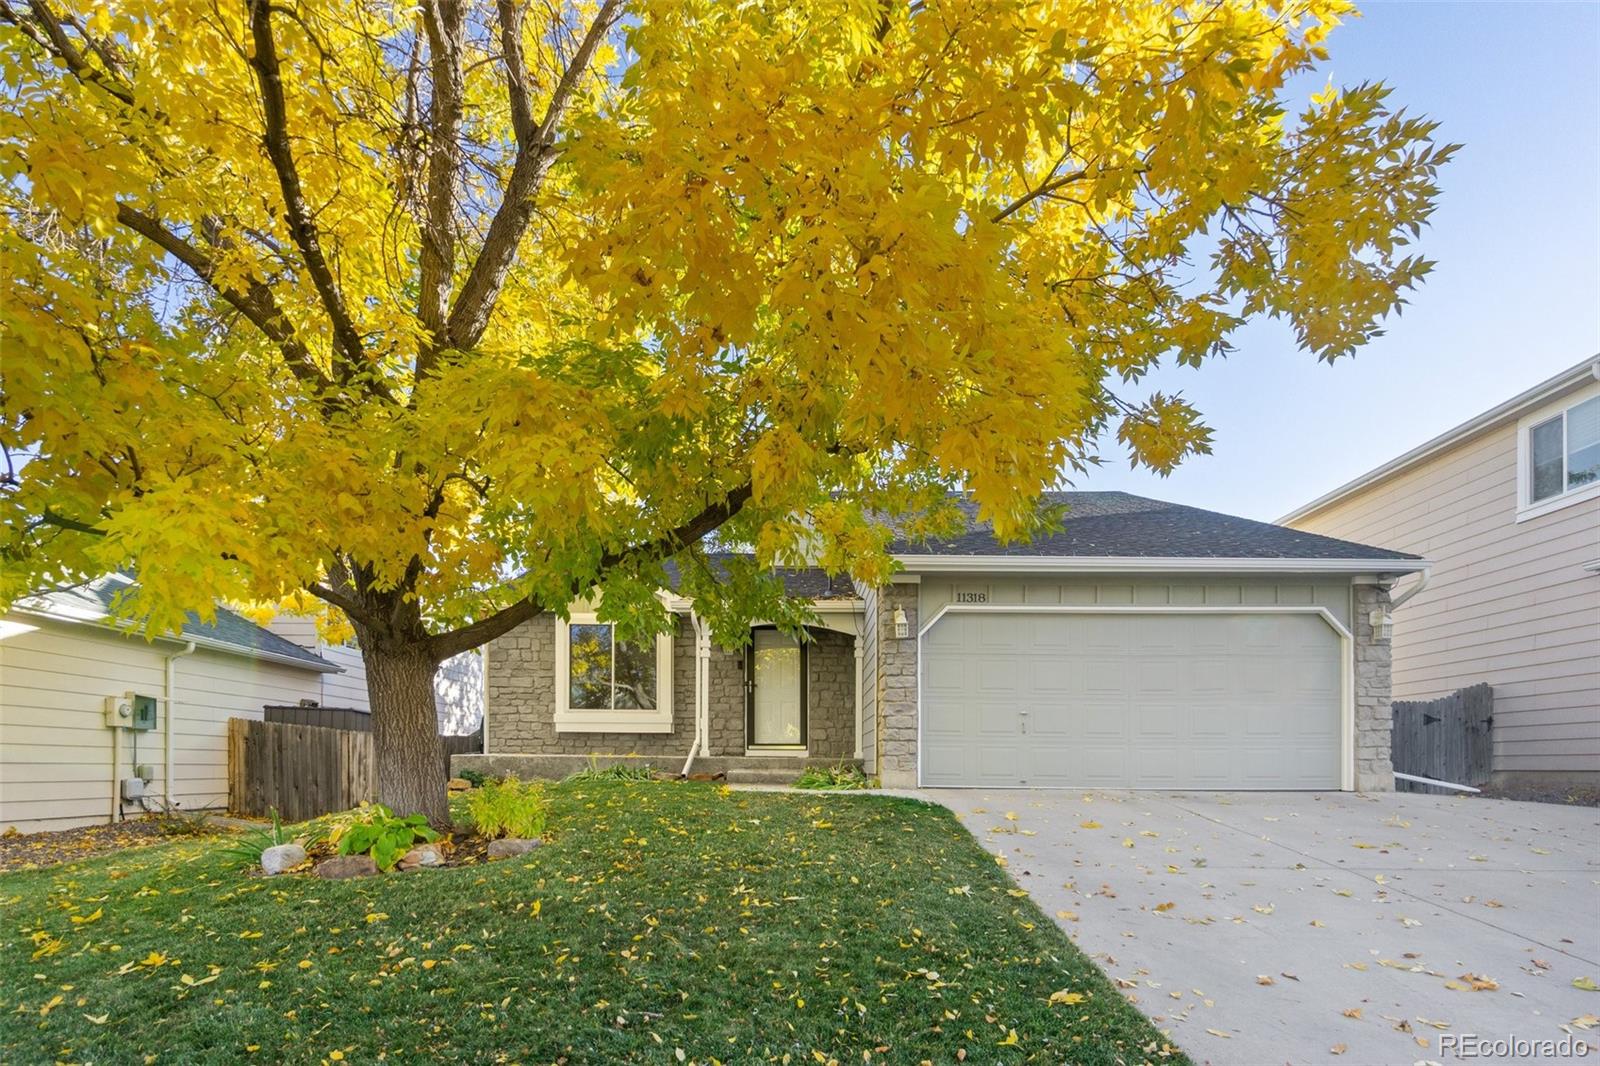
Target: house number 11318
972,597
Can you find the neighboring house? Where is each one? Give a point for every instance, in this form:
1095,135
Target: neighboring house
62,660
457,687
1507,507
1145,645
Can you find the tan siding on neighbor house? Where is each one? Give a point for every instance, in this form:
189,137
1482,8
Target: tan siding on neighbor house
1508,603
56,765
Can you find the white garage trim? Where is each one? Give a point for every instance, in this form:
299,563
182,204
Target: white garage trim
1347,697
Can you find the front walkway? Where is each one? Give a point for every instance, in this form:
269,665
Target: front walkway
1317,927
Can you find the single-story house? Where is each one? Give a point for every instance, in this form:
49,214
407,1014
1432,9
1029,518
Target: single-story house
1507,507
1143,645
66,672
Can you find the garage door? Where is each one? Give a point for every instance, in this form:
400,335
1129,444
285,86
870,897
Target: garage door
1203,701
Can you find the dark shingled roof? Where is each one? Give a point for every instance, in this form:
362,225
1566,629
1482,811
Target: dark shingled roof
1118,524
92,603
806,583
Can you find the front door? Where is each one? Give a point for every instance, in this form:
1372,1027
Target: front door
775,669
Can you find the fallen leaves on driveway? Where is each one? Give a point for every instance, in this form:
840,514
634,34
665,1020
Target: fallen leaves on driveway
1586,984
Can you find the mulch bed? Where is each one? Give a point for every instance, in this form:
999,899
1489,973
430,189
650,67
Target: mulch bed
30,851
1574,796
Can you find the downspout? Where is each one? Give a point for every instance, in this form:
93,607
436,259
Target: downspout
701,663
168,702
1422,583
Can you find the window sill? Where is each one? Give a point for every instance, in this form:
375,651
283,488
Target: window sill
1557,503
609,722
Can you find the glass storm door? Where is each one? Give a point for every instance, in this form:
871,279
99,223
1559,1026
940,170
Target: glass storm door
776,669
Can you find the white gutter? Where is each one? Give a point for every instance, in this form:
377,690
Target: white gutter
1076,564
168,702
1545,390
1422,583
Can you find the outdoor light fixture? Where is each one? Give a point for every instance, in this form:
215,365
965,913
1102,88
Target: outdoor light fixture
1382,625
902,627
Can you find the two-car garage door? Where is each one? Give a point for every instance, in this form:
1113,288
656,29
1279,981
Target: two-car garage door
1131,700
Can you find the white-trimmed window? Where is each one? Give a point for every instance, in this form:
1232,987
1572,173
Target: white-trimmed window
605,685
1558,455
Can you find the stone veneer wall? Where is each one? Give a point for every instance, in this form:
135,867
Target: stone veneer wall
831,695
897,689
1374,719
521,698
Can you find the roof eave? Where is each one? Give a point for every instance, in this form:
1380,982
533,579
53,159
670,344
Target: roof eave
1545,390
1086,564
321,666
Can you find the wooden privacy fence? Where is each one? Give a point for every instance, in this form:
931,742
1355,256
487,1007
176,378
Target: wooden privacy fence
1447,739
306,770
300,771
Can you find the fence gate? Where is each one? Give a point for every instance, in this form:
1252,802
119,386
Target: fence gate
1447,739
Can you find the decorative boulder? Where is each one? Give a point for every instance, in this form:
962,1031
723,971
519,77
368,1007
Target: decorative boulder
344,867
421,857
511,847
282,857
458,784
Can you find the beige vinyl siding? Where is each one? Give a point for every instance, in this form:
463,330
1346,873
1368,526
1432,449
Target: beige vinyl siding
348,689
1508,603
55,750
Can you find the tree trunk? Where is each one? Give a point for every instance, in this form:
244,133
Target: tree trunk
405,730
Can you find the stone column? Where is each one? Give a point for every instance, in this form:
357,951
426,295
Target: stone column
897,688
1374,767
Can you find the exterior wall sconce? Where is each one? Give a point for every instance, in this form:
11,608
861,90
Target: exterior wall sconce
902,626
1382,625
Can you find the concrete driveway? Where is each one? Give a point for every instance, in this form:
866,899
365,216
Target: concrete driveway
1319,927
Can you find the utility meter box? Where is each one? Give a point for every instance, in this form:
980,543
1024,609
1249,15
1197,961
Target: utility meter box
131,711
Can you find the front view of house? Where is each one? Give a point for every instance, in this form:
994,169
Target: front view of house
1143,645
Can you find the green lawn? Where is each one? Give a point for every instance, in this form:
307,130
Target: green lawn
665,923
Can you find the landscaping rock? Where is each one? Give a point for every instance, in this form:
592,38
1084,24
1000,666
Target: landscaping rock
458,784
511,847
421,857
282,857
344,867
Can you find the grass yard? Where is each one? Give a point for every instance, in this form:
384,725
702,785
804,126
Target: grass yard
665,923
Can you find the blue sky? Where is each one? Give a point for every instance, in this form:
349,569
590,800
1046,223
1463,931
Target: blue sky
1514,299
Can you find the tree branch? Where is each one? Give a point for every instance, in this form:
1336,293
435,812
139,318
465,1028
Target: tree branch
443,21
516,72
1044,189
469,317
55,39
256,303
302,229
474,634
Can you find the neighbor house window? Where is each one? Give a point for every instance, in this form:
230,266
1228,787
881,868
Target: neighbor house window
1561,454
608,685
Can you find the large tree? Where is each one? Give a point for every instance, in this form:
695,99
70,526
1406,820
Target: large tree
445,314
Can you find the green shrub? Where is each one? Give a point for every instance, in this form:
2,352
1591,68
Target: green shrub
377,832
615,772
475,778
842,777
508,807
